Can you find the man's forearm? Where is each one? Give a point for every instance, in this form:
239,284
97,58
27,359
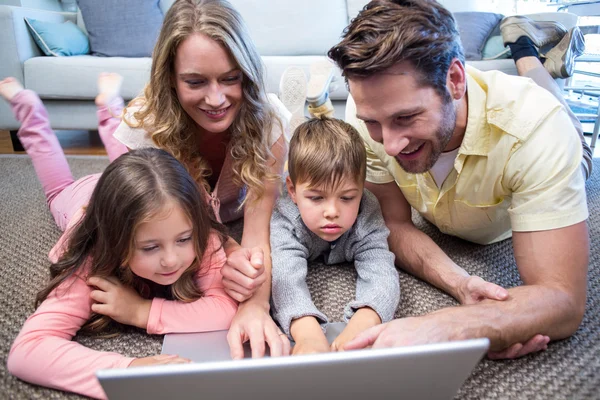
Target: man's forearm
417,254
530,310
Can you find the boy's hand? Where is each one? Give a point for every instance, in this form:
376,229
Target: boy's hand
308,336
310,346
119,302
160,359
362,320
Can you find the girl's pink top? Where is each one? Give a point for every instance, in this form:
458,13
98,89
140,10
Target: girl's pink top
45,354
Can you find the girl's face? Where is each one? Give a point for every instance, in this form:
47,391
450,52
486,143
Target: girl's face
208,83
164,246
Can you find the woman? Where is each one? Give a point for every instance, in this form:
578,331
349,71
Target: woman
206,104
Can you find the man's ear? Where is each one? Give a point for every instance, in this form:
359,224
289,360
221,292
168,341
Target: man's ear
290,188
456,81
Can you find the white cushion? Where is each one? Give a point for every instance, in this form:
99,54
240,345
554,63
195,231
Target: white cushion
76,77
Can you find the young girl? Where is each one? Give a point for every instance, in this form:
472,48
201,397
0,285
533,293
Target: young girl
206,104
143,250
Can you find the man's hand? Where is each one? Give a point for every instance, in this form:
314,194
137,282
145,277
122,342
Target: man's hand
119,302
253,323
362,320
533,345
473,289
244,273
431,329
161,359
402,332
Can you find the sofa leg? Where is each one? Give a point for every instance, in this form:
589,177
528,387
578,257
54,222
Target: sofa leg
16,143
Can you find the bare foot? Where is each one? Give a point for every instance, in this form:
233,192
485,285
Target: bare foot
9,87
109,87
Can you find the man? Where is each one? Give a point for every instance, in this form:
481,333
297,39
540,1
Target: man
483,156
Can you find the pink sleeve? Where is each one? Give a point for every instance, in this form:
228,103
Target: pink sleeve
44,353
213,311
61,246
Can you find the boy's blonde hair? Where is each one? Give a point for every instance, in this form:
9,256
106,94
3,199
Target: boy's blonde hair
324,151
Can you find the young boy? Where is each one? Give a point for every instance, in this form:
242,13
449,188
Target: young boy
326,213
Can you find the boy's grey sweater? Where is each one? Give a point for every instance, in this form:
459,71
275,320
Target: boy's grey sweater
293,245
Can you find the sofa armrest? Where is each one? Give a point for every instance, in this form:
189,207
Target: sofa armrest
16,44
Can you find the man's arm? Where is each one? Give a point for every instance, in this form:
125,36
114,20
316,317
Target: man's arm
417,254
553,266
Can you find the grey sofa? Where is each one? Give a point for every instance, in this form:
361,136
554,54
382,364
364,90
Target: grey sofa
288,32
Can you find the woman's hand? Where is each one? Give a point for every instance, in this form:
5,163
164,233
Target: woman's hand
253,323
161,359
244,273
119,302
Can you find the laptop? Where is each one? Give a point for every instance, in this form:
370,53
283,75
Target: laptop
432,371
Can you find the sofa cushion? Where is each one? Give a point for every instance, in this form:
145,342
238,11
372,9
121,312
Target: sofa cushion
58,39
76,77
118,28
281,29
475,29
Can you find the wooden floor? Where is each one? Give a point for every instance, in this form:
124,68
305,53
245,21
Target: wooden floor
72,142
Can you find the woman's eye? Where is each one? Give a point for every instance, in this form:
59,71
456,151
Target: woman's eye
194,83
347,198
149,248
187,239
232,79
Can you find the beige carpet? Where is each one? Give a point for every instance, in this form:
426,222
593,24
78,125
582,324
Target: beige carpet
568,369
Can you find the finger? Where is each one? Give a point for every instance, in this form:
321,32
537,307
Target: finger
494,292
287,346
257,258
100,283
239,278
177,360
236,296
510,352
99,296
535,344
234,287
273,337
257,342
236,343
103,309
365,339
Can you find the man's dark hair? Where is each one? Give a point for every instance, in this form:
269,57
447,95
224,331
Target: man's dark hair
386,32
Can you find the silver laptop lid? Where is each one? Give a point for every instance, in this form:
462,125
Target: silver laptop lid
433,371
213,346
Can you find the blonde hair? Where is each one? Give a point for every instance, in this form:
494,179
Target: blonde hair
324,151
172,129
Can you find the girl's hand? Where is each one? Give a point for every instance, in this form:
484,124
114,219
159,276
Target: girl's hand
160,359
119,302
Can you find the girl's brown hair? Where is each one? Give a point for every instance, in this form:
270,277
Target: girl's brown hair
132,190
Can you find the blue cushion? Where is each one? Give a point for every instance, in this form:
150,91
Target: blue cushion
475,28
494,49
121,28
58,39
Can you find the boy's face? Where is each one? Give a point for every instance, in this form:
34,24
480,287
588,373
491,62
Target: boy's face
327,212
